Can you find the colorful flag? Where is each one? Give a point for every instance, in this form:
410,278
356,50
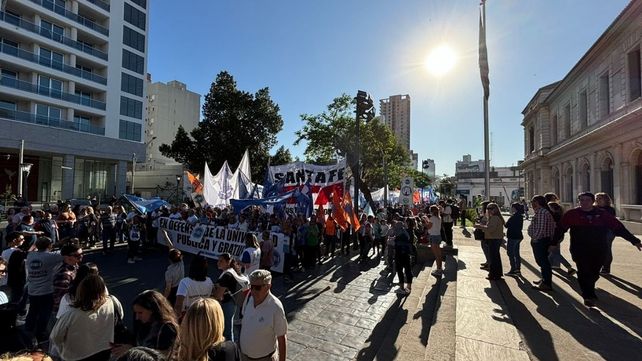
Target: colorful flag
197,186
338,213
350,213
483,54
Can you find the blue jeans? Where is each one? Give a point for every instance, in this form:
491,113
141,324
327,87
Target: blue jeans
540,251
610,236
229,308
495,260
556,259
512,249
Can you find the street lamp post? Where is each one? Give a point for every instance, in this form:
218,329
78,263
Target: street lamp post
133,171
178,182
25,168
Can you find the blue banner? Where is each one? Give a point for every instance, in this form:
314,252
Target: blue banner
240,204
143,205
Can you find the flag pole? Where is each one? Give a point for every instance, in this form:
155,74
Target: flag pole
483,67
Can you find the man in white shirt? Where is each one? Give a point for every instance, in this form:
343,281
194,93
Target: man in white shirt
264,326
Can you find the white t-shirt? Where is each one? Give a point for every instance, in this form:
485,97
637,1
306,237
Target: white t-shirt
251,256
261,326
435,230
193,290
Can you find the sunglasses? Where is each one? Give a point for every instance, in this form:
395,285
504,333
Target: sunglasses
256,287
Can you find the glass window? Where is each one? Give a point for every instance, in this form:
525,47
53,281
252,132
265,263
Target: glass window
131,108
134,39
51,58
7,105
12,18
131,84
135,16
133,62
141,3
129,130
51,30
85,97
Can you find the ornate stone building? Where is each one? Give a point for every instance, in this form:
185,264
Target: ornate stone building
584,133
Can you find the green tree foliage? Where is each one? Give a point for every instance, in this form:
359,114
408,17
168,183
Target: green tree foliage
447,186
331,134
233,120
282,156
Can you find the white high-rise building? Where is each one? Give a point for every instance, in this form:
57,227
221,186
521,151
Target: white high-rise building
72,87
168,106
395,113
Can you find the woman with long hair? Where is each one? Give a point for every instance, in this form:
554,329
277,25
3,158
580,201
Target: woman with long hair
155,325
196,285
251,256
493,235
201,334
86,332
226,289
67,300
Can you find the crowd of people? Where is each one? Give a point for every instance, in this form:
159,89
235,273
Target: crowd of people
71,314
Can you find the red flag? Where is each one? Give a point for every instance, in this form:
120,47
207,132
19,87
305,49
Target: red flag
197,186
483,54
338,213
350,213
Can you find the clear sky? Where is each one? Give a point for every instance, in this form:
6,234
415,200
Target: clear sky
308,52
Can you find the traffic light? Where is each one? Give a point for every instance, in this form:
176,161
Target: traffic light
365,106
425,164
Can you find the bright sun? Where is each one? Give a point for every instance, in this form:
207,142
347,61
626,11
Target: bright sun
441,60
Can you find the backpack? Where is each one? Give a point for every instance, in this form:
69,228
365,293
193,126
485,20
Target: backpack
454,211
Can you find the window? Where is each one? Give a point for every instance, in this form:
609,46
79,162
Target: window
134,16
84,68
86,45
84,123
133,62
554,130
129,130
85,97
141,3
635,77
51,30
49,86
12,18
131,84
605,96
567,121
51,58
583,109
134,39
8,105
131,108
531,139
45,112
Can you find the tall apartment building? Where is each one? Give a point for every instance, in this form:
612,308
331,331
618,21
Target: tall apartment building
395,113
72,87
168,106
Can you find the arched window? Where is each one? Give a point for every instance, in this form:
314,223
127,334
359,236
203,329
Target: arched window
638,179
568,186
556,181
606,176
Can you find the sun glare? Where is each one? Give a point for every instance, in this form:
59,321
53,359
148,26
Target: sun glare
441,60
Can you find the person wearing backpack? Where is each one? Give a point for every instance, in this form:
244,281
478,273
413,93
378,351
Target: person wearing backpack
230,289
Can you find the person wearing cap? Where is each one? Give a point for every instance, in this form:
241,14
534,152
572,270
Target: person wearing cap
264,326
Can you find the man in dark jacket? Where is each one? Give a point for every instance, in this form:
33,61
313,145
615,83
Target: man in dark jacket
589,245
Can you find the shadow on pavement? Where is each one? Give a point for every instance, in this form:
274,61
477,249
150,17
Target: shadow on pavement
590,328
624,285
384,335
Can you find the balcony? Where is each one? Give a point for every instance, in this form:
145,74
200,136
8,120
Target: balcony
49,121
16,21
69,15
26,55
52,93
101,4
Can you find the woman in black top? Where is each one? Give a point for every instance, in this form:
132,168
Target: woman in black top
155,325
226,289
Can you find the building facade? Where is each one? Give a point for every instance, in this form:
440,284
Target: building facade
168,106
506,183
72,87
584,133
395,113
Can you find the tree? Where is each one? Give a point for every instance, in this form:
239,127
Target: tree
233,121
331,134
447,185
282,156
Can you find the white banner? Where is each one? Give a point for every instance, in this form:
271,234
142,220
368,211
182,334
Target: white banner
298,173
217,240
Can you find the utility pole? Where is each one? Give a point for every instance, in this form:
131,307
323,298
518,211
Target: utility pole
365,110
133,170
20,160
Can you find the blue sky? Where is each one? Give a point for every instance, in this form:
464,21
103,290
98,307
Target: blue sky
308,52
